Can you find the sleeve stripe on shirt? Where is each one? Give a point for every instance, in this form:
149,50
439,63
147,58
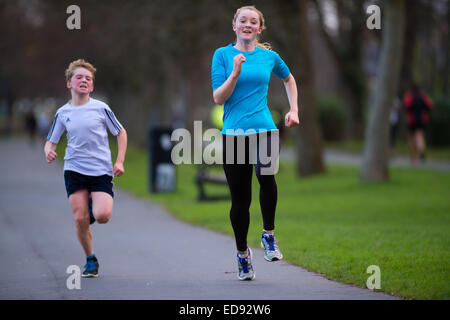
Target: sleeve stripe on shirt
52,127
113,120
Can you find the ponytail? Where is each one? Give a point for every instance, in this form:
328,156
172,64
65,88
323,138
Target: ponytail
264,45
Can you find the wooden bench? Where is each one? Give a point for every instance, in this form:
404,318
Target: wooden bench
203,177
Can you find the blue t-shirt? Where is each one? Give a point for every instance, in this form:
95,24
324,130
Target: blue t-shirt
246,108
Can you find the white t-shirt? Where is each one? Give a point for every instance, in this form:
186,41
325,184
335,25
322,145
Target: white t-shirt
87,149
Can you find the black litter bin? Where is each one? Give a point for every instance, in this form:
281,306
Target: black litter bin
162,170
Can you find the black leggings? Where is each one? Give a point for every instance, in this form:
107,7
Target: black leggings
239,178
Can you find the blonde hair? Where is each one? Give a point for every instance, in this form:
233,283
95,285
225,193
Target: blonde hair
264,45
77,64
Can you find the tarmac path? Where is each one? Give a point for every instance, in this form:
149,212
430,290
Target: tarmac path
144,252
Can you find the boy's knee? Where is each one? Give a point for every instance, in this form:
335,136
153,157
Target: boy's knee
80,218
102,216
102,219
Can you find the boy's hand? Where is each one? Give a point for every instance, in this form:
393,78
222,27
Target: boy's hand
118,169
50,156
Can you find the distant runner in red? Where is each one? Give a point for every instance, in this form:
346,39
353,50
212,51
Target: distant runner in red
418,106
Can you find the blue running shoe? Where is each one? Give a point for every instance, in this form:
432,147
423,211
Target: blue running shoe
91,268
271,250
91,215
245,267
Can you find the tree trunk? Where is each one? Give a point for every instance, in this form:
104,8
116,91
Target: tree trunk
375,165
406,74
308,136
445,82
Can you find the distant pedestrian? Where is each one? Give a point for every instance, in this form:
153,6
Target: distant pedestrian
394,121
418,106
43,123
31,125
88,170
240,75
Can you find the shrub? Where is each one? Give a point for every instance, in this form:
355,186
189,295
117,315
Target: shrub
438,133
331,117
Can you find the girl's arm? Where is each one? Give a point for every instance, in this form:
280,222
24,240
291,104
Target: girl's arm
122,140
49,150
222,93
291,118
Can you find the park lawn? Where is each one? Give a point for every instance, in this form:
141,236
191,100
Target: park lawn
333,225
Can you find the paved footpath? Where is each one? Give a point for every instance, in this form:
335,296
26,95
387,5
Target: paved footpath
144,252
335,156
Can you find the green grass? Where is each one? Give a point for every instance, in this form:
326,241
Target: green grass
333,225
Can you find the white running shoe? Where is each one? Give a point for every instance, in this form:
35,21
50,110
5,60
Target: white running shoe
271,250
245,267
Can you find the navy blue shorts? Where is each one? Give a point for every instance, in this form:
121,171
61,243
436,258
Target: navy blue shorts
76,181
416,126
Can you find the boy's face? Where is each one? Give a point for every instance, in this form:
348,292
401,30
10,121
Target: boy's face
81,82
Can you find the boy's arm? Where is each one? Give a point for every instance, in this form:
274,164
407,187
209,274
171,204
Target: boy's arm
122,141
49,150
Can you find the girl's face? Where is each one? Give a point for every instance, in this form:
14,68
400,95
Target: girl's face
81,82
247,25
